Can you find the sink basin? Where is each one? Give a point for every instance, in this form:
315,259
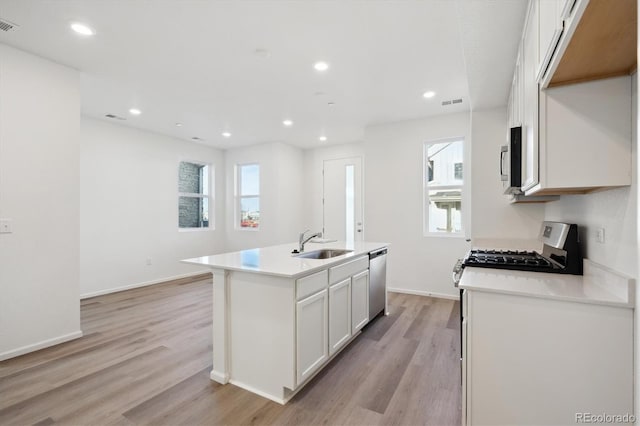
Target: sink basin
323,254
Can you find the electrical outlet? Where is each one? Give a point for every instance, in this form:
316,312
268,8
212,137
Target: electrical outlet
6,227
149,261
600,235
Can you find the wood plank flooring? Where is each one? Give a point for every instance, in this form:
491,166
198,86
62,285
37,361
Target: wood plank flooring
145,359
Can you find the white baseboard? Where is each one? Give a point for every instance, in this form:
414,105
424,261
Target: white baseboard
424,293
142,284
40,345
244,386
219,377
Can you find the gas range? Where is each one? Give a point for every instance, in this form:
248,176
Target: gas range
560,254
510,259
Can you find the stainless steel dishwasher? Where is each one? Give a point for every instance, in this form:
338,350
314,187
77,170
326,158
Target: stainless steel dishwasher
377,282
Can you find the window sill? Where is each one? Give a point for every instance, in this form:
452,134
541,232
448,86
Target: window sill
210,228
247,229
459,235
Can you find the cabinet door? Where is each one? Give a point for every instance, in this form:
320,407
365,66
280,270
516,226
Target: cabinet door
359,300
550,28
311,334
339,314
530,100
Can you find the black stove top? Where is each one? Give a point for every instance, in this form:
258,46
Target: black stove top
510,259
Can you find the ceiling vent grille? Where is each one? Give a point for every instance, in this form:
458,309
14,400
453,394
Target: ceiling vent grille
452,102
115,117
7,26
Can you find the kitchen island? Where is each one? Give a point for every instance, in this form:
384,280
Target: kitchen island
278,318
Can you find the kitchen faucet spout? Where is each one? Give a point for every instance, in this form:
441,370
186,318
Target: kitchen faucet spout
302,240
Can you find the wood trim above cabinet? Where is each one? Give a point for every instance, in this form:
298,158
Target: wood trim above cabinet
603,44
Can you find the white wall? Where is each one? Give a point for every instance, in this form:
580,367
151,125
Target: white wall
281,195
129,207
493,216
615,210
394,198
39,187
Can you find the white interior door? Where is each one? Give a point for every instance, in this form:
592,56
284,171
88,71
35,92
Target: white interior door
342,199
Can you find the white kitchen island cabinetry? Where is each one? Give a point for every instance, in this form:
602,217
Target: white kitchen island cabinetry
542,348
278,319
312,334
339,315
359,300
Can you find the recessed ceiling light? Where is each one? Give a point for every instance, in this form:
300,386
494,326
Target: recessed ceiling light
321,66
82,29
322,138
226,134
263,53
288,123
135,111
429,94
331,103
178,124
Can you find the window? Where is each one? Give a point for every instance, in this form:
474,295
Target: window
248,196
443,184
194,206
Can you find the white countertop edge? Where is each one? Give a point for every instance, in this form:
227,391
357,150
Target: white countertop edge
620,304
617,289
338,260
293,270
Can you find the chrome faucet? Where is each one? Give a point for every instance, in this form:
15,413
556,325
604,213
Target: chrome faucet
304,241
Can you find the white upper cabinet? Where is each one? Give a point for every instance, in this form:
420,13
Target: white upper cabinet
571,92
583,40
530,99
550,29
515,97
584,137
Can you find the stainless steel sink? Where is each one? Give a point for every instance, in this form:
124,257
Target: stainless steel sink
323,254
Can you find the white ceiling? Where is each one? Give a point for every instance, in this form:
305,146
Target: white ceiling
195,62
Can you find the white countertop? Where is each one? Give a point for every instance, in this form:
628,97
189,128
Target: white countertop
599,284
278,260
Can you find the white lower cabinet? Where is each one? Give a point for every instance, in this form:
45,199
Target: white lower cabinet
528,360
339,315
332,306
359,300
311,334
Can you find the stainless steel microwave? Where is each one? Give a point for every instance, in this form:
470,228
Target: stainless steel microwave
511,162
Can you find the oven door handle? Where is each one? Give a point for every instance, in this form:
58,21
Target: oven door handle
503,150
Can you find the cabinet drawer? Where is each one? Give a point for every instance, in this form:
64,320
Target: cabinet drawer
340,272
311,284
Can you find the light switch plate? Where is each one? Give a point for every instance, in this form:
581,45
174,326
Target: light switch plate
600,235
6,226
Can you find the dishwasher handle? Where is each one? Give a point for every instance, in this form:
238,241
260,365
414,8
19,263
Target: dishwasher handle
374,254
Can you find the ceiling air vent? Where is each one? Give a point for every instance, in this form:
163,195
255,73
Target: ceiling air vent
452,102
7,26
115,117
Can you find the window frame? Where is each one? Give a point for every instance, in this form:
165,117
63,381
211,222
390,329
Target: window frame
426,187
210,197
239,196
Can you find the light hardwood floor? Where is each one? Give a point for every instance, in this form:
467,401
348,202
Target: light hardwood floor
145,358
